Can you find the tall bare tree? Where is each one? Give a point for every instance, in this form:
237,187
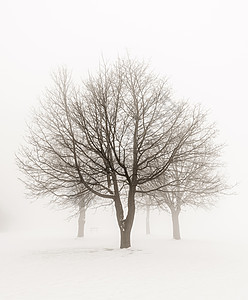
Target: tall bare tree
114,136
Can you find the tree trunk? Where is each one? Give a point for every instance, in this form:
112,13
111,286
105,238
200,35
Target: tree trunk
176,227
125,239
125,229
127,224
148,231
81,222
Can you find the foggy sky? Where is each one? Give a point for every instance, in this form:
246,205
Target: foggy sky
201,46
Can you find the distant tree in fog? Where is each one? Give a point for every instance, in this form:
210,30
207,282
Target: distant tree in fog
80,201
115,136
146,203
46,159
194,180
83,201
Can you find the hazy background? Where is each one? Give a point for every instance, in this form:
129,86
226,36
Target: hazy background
201,46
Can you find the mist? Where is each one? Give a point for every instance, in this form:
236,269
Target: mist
201,47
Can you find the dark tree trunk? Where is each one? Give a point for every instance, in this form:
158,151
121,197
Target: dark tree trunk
127,224
176,227
125,238
81,222
125,229
148,231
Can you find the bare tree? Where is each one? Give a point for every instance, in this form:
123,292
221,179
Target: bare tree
80,202
148,229
114,137
47,158
133,131
147,203
194,180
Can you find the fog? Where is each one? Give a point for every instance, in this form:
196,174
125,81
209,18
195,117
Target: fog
201,47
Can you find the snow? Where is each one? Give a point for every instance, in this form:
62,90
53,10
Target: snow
95,268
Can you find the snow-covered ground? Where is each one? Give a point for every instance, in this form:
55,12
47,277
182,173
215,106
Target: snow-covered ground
94,268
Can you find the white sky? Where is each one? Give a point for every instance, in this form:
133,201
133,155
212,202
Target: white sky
202,46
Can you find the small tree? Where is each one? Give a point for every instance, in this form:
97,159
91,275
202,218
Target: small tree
74,197
46,160
148,228
146,203
81,202
195,180
83,205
